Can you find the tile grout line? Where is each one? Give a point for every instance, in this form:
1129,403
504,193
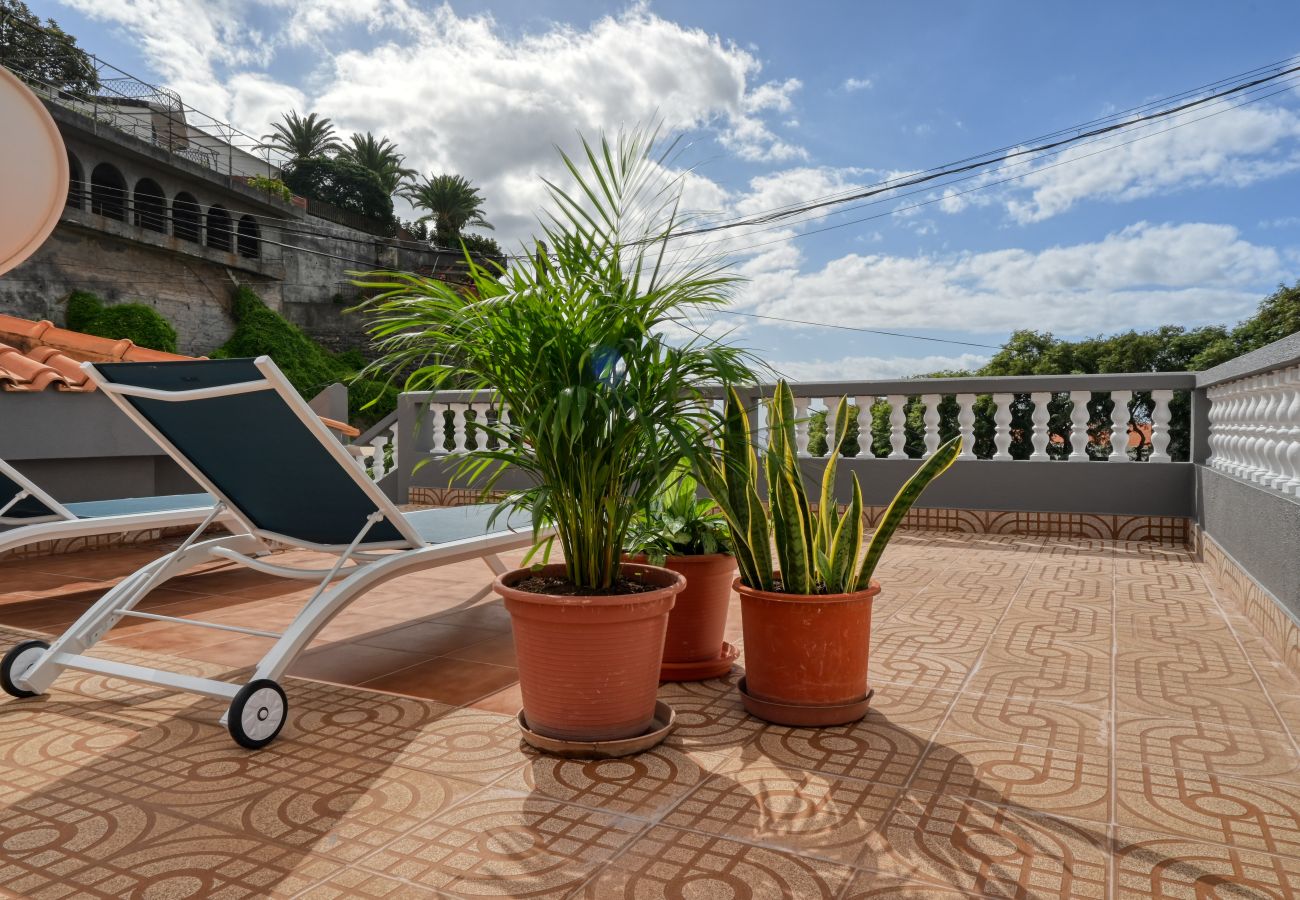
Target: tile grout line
1112,788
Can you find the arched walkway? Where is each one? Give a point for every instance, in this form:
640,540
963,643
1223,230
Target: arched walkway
187,218
76,182
249,238
150,206
219,228
108,192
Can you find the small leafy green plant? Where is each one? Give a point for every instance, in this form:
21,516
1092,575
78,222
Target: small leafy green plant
817,551
678,522
273,186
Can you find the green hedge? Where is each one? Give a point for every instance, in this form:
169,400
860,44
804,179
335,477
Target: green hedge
140,324
310,368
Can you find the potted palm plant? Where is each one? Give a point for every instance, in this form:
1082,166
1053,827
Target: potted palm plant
683,532
807,624
598,408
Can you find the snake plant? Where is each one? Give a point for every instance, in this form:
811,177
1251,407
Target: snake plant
818,550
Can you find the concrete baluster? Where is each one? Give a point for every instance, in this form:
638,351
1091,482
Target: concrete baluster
931,420
1160,426
1002,426
897,424
1119,426
966,423
1079,425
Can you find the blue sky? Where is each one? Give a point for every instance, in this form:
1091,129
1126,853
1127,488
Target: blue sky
782,102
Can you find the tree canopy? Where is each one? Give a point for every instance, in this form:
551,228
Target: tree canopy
344,184
380,156
302,138
452,202
43,53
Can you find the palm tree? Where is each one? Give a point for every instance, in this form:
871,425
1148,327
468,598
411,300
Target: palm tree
379,156
452,202
302,138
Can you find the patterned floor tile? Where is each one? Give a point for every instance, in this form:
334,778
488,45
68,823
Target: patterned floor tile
931,671
1086,683
100,845
955,843
350,884
498,844
709,720
875,886
1227,709
1153,865
1184,667
1038,723
1240,752
804,812
919,710
469,744
1042,779
642,785
1251,815
668,864
868,750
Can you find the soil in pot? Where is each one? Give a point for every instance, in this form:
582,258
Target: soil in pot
589,664
808,651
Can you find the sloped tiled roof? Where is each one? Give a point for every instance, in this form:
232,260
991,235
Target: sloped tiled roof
36,356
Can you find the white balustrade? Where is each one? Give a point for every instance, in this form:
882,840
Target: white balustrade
897,426
831,403
1079,425
931,422
966,424
1041,419
801,426
1255,429
458,423
1002,426
1120,417
1160,426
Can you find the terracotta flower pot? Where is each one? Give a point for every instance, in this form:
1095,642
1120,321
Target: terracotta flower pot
693,646
589,666
806,656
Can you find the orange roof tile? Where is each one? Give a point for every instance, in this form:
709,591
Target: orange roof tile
39,355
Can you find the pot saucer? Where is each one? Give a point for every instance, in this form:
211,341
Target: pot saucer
664,721
699,670
806,716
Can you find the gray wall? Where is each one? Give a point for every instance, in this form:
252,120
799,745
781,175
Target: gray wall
81,447
1257,527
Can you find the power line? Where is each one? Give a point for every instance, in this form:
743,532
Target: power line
897,334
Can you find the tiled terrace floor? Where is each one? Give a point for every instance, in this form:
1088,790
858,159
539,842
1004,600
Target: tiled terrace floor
1052,718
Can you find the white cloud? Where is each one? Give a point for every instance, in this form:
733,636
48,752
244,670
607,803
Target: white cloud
851,85
458,93
1142,276
867,368
1234,148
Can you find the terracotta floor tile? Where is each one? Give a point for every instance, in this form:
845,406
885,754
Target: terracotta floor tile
447,680
499,844
804,812
1155,865
667,864
866,750
1057,782
498,650
1226,708
713,722
492,616
1184,667
1252,815
957,843
1039,723
1240,752
427,638
919,710
875,886
1086,683
469,744
353,883
352,663
937,672
642,785
507,701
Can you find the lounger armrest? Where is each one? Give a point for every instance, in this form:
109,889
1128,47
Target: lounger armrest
341,427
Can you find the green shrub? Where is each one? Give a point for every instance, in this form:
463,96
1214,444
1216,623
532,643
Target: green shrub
273,186
344,184
83,306
310,368
140,324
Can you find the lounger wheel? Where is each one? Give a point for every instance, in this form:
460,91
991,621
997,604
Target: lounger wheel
257,713
16,662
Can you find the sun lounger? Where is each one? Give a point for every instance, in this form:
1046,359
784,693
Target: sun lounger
29,515
241,431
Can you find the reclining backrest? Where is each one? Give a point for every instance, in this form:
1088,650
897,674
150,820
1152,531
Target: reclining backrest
30,507
250,439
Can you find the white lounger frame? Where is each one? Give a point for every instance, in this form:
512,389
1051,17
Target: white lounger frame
355,572
63,524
